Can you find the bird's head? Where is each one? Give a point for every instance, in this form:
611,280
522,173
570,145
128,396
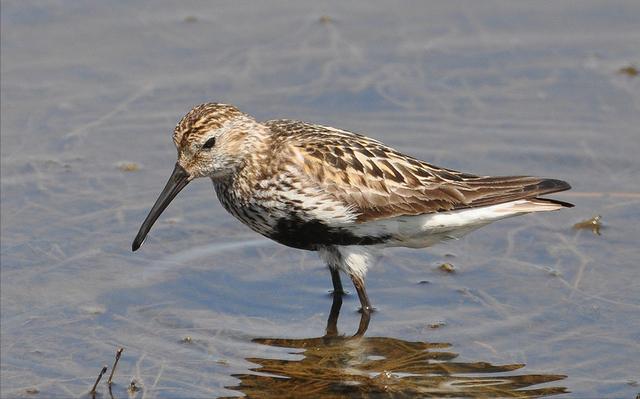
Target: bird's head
213,141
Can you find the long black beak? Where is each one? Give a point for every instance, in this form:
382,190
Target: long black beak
178,180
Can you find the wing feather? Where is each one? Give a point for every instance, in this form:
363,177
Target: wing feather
378,182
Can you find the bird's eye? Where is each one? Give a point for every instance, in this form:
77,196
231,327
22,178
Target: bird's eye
209,143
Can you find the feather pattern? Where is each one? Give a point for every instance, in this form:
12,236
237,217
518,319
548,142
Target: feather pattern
378,182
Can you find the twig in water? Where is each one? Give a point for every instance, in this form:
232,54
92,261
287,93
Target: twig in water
115,363
102,372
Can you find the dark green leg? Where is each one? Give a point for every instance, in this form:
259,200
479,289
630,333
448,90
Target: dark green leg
358,282
332,322
337,283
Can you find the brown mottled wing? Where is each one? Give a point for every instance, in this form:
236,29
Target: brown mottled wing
379,182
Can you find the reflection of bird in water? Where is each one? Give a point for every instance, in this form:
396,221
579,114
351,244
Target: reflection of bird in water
335,366
339,193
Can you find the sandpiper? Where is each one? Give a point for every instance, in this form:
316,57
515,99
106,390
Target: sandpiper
342,194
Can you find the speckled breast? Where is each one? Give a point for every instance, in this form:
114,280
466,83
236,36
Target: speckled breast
289,225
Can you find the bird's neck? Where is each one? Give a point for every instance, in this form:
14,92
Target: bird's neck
255,165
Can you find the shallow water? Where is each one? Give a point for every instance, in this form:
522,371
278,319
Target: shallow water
208,308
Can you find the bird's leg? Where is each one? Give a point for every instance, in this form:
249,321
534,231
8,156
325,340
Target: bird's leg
366,309
337,283
332,322
365,317
358,282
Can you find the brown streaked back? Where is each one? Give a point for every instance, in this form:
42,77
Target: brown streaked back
378,182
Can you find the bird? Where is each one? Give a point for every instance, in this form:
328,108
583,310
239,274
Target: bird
336,192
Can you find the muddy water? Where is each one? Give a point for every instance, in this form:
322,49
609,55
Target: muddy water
90,95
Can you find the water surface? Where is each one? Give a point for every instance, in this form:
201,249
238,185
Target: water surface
207,308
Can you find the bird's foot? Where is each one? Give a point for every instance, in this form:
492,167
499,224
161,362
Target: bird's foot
367,310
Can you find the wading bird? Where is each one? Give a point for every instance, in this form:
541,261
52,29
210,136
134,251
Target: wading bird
339,193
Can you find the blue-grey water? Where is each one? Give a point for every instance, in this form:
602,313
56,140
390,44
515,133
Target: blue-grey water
91,92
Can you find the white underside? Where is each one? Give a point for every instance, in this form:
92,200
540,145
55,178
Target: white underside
422,231
351,259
